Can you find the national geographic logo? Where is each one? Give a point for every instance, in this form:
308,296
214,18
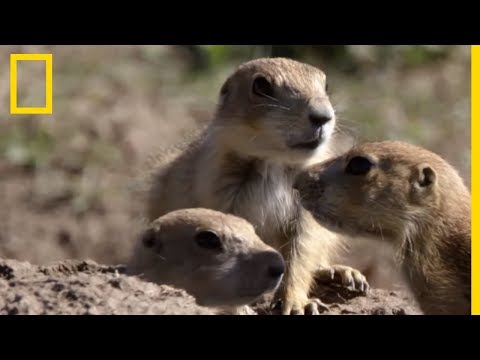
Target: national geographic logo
48,108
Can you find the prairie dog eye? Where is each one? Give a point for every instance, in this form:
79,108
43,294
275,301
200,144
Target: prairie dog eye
208,239
262,87
358,165
148,238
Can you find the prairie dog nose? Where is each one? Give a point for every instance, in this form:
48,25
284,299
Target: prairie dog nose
319,117
275,264
276,271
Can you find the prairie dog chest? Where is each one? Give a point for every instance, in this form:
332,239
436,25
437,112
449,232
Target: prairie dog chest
266,200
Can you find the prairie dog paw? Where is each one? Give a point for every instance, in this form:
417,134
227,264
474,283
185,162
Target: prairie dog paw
346,276
311,306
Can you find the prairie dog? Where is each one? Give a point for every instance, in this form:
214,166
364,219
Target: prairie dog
217,258
410,197
274,117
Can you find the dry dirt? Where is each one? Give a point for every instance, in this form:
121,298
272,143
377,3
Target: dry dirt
75,287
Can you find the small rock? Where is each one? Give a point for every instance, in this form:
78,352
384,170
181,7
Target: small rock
115,283
6,272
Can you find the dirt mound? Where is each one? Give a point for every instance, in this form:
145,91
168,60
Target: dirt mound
85,287
75,287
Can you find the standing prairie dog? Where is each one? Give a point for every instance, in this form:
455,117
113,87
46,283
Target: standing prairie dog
217,258
410,197
273,118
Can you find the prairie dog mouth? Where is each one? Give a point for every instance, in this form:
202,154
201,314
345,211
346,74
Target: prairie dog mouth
312,144
309,145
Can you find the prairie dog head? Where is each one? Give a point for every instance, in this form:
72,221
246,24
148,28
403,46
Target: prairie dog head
387,189
216,257
277,109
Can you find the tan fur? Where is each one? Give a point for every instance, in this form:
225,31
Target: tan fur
411,198
235,274
245,161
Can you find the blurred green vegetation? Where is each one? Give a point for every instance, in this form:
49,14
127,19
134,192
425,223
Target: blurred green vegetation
367,74
346,58
26,145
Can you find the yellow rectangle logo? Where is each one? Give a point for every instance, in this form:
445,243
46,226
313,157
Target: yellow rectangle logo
475,103
48,109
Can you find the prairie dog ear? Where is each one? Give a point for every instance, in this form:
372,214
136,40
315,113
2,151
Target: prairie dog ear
225,91
426,176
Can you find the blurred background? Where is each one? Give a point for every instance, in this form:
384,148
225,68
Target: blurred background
66,179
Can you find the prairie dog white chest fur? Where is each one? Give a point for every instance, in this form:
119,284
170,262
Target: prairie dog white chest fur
260,191
274,117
